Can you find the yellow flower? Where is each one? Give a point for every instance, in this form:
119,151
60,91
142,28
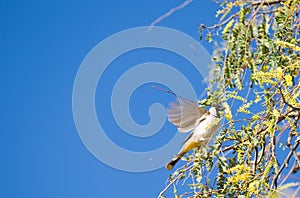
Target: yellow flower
265,68
244,176
276,113
256,117
288,80
293,101
254,186
228,114
279,73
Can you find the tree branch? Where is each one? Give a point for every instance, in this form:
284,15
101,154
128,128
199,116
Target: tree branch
221,23
172,182
286,161
284,100
267,2
170,12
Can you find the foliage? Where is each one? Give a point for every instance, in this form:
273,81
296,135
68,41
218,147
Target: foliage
256,78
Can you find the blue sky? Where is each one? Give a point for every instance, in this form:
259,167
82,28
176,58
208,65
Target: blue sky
43,44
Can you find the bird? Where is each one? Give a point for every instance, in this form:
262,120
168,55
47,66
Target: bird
187,116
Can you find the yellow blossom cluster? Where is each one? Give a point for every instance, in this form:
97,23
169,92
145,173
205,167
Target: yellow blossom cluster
240,172
288,45
273,76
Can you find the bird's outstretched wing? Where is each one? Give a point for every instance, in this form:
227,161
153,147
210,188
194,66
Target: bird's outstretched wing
184,113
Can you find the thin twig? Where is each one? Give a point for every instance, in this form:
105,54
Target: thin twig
222,23
256,11
234,121
280,118
269,12
172,182
291,135
284,100
255,160
274,143
286,161
170,12
262,153
267,2
288,175
261,3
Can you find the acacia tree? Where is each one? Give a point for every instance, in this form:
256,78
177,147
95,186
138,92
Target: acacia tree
256,152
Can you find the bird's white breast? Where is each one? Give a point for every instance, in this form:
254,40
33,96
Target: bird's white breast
206,129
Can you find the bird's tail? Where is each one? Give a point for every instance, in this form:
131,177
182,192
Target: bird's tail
172,163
